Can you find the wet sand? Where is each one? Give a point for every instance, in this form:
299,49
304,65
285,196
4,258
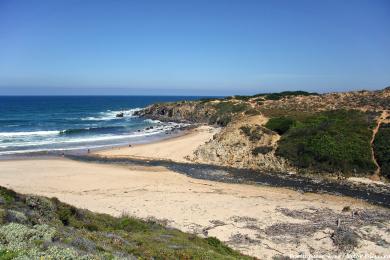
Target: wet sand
174,149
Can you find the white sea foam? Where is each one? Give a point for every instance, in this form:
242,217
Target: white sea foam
58,140
34,133
56,149
37,141
111,115
152,121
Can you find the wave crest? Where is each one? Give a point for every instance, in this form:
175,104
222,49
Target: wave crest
90,130
111,115
33,133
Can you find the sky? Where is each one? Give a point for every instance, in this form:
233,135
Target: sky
199,47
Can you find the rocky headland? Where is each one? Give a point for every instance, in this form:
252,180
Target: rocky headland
333,134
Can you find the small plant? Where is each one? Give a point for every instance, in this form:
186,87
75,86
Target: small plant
218,245
382,149
131,224
346,209
252,112
253,133
7,195
261,150
7,254
345,239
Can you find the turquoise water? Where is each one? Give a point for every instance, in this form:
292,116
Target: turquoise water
66,123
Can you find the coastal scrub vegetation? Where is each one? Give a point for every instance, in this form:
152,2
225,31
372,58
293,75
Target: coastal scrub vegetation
34,227
272,96
382,149
225,110
283,94
254,133
332,141
280,124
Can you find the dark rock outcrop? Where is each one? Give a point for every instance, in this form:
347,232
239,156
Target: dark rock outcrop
183,112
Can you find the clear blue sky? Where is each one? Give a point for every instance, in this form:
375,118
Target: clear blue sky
197,47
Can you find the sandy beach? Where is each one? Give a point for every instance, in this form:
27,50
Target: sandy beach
235,213
174,149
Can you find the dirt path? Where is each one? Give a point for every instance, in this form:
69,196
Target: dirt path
381,120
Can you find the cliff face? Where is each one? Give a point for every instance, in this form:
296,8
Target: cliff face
186,111
244,143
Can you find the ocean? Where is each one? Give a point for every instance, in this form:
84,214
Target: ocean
76,123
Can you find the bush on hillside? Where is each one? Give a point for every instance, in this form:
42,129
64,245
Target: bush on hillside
382,149
225,111
231,107
254,134
262,150
280,124
252,112
330,141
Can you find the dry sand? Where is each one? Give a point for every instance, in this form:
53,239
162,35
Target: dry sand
174,149
235,213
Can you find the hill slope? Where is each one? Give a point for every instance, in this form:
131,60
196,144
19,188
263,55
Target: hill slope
33,227
288,131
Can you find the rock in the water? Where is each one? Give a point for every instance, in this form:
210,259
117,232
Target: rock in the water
120,114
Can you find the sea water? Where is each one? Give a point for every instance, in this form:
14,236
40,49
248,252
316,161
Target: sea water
70,123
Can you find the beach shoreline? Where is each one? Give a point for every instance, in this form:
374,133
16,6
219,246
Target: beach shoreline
50,153
176,148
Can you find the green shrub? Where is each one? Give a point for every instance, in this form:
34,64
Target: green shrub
7,195
252,112
382,149
7,254
64,214
225,110
218,245
244,98
221,120
261,150
253,133
280,124
330,141
131,224
231,107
